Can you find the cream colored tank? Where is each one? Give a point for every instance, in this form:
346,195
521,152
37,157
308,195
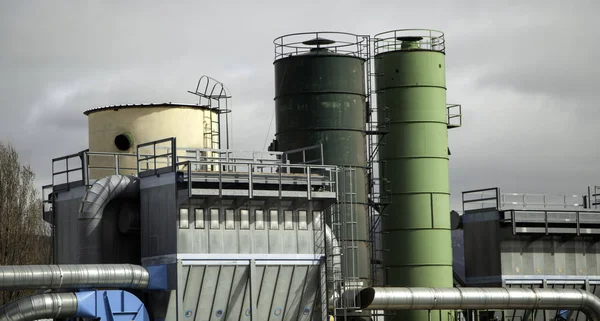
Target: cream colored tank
119,129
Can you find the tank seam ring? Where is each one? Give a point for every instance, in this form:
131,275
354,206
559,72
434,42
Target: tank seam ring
418,193
379,90
326,92
416,157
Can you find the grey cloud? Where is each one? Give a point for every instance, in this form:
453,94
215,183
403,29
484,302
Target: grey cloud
523,71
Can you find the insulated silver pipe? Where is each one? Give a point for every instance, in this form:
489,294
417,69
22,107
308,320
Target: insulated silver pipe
21,277
91,212
479,298
40,306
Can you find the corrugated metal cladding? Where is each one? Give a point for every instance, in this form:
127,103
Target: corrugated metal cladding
283,292
219,249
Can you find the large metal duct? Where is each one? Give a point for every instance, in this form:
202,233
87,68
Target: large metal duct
73,276
41,306
333,255
96,305
479,298
91,211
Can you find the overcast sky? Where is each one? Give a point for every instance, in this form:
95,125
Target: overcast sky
523,71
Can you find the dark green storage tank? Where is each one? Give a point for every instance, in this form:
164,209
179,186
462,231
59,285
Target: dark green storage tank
411,102
320,98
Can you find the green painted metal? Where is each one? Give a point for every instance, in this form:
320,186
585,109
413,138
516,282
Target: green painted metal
411,102
320,98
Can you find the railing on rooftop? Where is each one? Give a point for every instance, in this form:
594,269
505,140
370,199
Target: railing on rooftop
409,39
492,198
327,42
149,162
249,172
593,197
65,172
157,157
454,114
308,155
47,203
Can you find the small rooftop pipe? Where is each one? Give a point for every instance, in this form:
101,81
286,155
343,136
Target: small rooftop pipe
396,298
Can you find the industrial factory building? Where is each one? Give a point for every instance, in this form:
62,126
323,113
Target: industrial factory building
346,216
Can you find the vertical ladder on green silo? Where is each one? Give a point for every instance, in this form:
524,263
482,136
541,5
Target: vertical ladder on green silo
376,130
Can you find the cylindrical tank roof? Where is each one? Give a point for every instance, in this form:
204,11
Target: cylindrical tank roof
157,105
321,43
409,39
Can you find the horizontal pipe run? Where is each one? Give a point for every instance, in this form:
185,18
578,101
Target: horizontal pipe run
21,277
40,306
397,298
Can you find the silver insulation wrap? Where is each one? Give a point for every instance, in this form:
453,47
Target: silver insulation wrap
479,298
92,208
73,276
40,306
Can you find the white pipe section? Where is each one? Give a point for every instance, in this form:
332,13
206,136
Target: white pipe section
334,254
40,306
479,298
21,277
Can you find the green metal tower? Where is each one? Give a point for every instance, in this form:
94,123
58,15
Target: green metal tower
412,110
320,95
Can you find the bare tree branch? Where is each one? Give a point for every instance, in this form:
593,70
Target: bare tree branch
24,237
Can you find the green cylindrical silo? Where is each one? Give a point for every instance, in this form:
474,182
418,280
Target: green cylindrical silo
411,106
320,98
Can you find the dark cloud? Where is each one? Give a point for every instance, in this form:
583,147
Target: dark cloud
523,70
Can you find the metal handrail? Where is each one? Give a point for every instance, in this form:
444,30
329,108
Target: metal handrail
513,219
344,43
453,116
172,165
67,170
279,169
481,199
432,40
303,150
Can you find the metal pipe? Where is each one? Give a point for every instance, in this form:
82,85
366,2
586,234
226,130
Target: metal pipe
92,209
21,277
40,306
479,298
334,256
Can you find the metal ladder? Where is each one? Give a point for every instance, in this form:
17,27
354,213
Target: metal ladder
345,227
377,194
594,196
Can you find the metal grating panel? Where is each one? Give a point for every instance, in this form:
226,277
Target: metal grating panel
274,219
214,218
184,218
302,223
199,218
259,224
229,219
244,219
